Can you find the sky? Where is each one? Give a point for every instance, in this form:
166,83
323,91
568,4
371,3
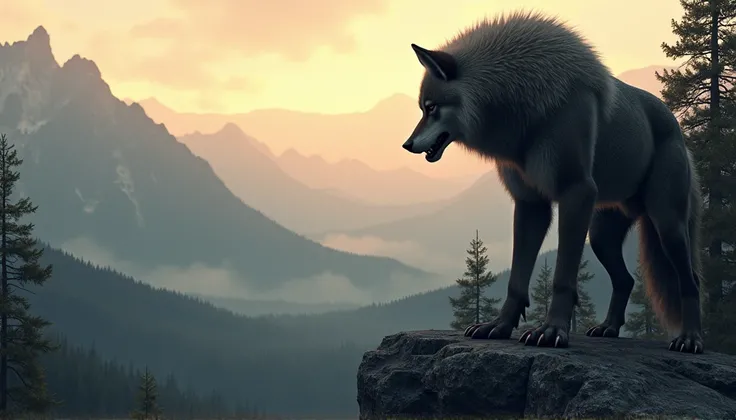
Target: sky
325,56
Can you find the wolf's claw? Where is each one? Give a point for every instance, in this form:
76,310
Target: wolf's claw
687,342
603,330
494,330
501,327
547,335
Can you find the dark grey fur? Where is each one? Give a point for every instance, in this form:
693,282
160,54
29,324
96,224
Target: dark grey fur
530,94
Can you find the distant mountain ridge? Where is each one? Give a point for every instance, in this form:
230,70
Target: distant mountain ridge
400,186
105,175
348,177
251,172
374,137
645,78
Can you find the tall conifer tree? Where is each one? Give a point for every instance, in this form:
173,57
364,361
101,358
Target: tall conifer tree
701,93
22,341
473,306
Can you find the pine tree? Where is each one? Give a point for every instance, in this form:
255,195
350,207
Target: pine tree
583,316
473,306
702,95
22,341
147,398
643,323
541,294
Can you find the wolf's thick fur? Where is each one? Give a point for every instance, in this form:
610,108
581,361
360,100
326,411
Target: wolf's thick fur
529,93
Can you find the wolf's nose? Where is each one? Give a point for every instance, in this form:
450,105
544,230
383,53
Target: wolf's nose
408,144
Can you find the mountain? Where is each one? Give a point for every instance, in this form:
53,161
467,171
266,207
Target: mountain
373,137
117,188
645,78
355,179
248,169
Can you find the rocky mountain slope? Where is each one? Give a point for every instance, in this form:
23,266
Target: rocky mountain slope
106,176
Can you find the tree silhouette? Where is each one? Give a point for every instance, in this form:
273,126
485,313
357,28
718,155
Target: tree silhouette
147,398
473,306
583,315
701,93
22,341
541,294
643,323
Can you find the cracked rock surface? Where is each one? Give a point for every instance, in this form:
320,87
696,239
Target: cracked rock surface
425,374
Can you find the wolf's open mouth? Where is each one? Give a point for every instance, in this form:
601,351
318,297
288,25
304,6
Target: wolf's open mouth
435,151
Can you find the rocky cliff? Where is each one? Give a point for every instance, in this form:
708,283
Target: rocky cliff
425,374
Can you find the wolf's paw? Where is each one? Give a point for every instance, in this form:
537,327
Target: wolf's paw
688,342
547,335
498,329
603,330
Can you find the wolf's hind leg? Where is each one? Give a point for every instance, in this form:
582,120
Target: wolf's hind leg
531,222
608,230
576,209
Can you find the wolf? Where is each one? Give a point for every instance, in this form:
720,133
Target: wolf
530,94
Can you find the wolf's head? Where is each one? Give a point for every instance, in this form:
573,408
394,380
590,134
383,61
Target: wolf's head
440,105
489,86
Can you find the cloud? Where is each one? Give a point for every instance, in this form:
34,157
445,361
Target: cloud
223,281
239,83
196,278
21,17
449,262
322,288
408,252
15,13
165,63
189,47
288,27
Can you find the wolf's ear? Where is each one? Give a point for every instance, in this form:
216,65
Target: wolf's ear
438,63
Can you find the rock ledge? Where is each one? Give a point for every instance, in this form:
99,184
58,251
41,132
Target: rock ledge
431,374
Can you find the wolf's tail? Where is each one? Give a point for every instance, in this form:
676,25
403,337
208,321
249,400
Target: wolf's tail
660,277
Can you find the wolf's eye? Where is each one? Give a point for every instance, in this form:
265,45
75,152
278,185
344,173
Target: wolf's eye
431,108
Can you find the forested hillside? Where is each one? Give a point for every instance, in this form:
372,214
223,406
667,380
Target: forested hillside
245,360
86,385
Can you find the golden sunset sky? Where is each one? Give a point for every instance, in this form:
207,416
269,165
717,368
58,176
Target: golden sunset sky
330,56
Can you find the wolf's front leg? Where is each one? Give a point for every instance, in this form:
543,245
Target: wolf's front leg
576,209
531,222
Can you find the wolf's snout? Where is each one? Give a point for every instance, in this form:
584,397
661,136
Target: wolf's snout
409,145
